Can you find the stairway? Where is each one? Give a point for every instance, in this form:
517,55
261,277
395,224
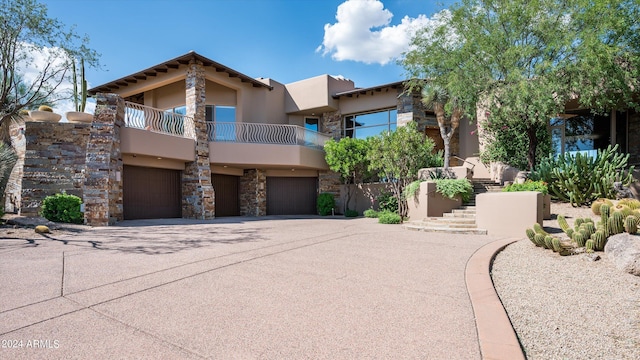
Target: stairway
461,220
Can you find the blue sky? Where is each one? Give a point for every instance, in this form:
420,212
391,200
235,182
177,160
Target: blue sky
280,39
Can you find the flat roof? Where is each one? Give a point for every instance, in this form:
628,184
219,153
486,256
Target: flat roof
363,91
174,64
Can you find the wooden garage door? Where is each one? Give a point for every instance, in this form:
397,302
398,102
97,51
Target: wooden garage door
291,195
150,193
226,190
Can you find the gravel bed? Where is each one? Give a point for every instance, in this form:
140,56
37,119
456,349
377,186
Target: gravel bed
567,307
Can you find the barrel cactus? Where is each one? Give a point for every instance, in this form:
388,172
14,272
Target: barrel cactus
633,204
595,206
590,245
588,228
570,233
578,222
624,209
538,239
579,238
630,224
562,222
599,239
616,223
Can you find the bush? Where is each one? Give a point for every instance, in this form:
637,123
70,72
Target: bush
528,185
389,218
326,203
580,179
411,190
387,202
62,208
351,213
370,213
452,188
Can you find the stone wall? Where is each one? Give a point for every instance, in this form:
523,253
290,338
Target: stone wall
331,124
198,197
54,162
14,185
103,163
330,182
253,193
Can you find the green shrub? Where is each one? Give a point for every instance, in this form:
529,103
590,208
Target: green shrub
528,185
326,203
351,213
370,213
387,202
387,217
412,189
62,208
581,179
452,188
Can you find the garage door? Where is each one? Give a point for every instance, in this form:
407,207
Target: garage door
226,190
291,195
150,193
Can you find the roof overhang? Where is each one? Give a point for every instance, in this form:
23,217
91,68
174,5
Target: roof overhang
363,91
174,64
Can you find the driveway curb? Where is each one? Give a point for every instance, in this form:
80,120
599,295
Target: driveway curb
496,336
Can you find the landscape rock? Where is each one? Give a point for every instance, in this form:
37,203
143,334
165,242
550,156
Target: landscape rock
624,251
42,229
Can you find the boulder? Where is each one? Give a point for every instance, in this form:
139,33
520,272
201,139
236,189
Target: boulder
624,250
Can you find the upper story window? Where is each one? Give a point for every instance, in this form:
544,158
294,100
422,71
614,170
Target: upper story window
363,125
217,113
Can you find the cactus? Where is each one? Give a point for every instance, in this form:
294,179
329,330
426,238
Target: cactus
578,222
579,238
595,206
548,242
562,221
600,239
633,204
530,235
616,223
630,224
587,229
605,210
539,240
590,245
79,97
624,209
555,242
604,214
570,233
538,229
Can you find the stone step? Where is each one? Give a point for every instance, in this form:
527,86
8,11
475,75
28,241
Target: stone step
415,227
444,221
463,211
459,215
441,225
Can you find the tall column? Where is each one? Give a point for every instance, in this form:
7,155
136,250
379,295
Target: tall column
102,188
253,193
198,198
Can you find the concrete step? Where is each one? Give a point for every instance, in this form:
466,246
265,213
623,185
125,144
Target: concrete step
463,211
415,227
459,215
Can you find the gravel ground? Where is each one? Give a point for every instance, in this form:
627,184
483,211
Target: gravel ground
567,307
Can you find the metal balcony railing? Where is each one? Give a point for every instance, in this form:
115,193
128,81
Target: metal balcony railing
265,134
165,122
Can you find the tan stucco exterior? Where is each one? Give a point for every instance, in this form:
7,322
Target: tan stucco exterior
265,156
509,213
147,143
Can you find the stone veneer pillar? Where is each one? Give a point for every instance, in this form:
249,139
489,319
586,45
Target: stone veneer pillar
198,198
102,188
253,193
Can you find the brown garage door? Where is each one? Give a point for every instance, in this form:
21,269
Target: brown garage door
291,195
150,193
226,190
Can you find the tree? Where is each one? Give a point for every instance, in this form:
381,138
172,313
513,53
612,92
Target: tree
348,157
522,60
398,156
30,40
448,113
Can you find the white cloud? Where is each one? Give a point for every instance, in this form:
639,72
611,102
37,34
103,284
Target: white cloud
363,33
35,60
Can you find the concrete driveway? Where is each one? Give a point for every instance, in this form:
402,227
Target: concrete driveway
238,288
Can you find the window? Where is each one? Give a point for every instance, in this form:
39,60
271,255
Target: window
311,124
580,131
364,125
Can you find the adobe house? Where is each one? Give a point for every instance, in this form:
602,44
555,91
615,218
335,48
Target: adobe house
193,138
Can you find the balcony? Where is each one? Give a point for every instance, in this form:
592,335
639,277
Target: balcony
251,133
249,145
142,117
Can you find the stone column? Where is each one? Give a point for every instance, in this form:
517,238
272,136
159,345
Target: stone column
331,124
198,198
253,193
102,188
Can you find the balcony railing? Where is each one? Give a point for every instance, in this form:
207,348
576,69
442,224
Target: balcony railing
151,119
265,134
